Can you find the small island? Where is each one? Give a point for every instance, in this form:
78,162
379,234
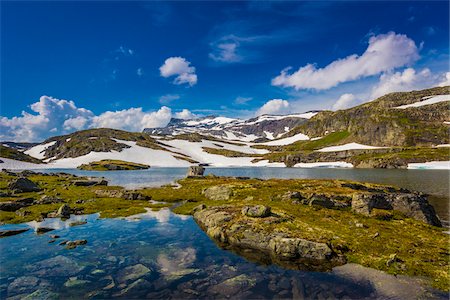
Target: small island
113,165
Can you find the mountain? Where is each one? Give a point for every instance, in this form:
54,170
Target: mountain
258,129
398,130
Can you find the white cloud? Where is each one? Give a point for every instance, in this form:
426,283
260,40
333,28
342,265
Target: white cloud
445,81
55,117
226,52
384,53
181,68
345,101
185,114
166,99
274,106
140,72
242,100
125,51
404,81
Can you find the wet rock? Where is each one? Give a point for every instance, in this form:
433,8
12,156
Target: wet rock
74,244
56,266
77,223
42,230
195,171
257,211
51,241
218,192
132,273
42,294
10,232
138,286
54,236
233,286
16,204
23,185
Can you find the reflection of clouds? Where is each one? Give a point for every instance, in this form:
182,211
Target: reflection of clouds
176,261
162,216
57,223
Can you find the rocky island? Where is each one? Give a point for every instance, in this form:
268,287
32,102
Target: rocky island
298,224
112,165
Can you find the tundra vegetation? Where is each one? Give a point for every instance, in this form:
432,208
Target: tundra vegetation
318,211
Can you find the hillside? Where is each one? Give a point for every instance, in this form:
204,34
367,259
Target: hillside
12,153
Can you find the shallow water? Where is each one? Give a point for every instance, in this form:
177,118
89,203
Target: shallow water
170,257
433,182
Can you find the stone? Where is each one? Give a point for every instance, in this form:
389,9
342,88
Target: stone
218,192
140,285
77,223
42,294
132,273
22,285
10,232
42,230
195,171
54,236
48,200
292,196
257,211
16,204
321,200
75,282
90,182
233,286
75,243
64,211
23,185
199,207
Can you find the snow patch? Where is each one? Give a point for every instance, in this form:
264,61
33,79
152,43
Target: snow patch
287,141
39,150
350,146
431,165
427,101
333,164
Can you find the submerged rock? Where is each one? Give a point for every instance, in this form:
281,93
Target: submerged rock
132,273
42,230
10,232
23,185
74,244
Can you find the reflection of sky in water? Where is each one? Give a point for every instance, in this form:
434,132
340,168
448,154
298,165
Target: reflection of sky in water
180,254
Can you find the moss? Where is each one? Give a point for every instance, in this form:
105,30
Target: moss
111,165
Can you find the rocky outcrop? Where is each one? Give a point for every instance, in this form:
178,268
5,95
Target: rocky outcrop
257,211
10,232
16,204
195,171
218,192
123,194
90,182
226,226
23,185
412,205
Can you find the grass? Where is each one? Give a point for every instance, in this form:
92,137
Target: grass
11,153
111,165
422,248
228,153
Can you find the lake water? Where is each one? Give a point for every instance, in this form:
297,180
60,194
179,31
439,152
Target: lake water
164,255
432,182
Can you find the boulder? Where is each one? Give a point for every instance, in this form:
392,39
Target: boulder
48,200
90,182
10,232
132,273
63,212
218,192
16,204
257,211
321,200
23,185
75,243
42,230
195,171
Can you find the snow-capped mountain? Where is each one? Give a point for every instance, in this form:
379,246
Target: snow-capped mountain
261,128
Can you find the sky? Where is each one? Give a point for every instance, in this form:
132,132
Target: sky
67,66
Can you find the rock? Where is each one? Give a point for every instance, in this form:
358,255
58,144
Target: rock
42,230
195,171
22,285
77,223
74,244
48,200
257,211
128,195
140,285
42,294
132,273
90,182
292,196
296,247
63,212
199,207
23,213
218,192
75,282
233,286
321,200
16,204
10,232
412,205
23,185
54,236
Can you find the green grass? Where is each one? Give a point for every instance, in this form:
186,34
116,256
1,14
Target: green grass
11,153
110,164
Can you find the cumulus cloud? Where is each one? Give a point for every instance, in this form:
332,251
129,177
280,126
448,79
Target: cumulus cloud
185,114
407,80
384,53
445,81
225,51
181,69
52,116
345,101
274,106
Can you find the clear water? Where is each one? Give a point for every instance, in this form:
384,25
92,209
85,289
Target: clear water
170,256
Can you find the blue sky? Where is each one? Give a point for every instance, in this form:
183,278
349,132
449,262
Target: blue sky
105,63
